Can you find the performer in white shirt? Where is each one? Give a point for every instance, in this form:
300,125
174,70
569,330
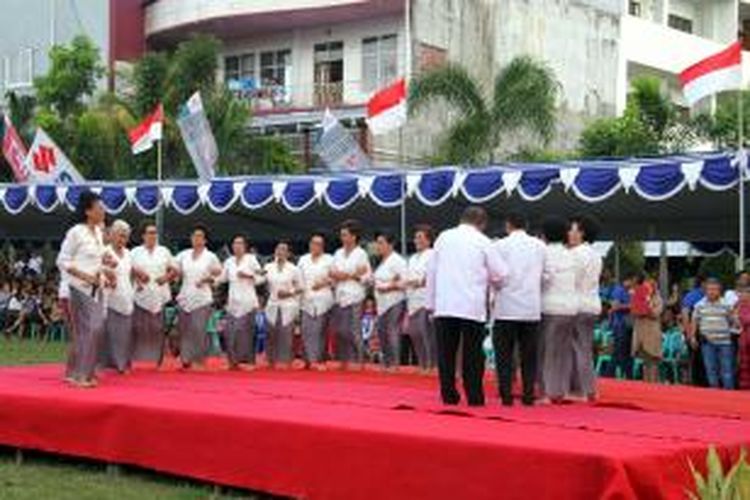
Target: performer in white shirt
517,307
284,289
560,306
317,300
117,346
198,268
243,273
80,261
458,279
350,272
390,298
419,326
582,231
153,269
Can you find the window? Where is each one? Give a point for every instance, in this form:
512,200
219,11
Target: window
680,23
241,67
274,66
329,73
634,8
379,61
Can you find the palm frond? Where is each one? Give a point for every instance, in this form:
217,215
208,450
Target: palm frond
524,97
450,83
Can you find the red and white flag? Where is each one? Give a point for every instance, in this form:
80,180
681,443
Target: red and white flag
386,110
143,136
717,73
14,150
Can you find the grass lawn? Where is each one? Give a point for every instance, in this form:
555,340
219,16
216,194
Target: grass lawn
42,476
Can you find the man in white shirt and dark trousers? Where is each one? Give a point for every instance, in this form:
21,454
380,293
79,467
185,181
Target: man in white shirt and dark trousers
458,278
517,307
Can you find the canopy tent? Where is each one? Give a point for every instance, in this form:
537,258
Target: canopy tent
691,197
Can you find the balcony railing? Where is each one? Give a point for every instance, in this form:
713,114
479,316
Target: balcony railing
328,94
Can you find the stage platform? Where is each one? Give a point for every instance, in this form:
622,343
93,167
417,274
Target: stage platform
336,435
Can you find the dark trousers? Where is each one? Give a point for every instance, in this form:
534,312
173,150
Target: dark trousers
452,332
505,336
622,355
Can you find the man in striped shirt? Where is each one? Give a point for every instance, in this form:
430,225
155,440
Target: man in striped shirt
713,320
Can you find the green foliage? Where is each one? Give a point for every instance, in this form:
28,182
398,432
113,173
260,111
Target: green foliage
715,485
721,128
523,99
193,67
21,109
721,266
632,257
149,79
73,75
649,126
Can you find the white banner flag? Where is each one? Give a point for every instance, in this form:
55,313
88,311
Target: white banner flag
47,164
198,138
337,148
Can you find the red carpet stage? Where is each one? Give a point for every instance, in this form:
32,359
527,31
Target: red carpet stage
372,435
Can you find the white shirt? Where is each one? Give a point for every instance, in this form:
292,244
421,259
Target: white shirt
416,295
63,289
459,274
194,295
288,279
242,298
391,269
351,291
315,271
559,293
520,296
83,249
35,264
731,297
155,264
588,274
120,298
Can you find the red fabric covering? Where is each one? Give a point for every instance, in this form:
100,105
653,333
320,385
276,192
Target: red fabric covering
371,435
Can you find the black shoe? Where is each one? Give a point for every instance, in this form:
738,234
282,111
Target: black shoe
506,401
479,402
528,400
452,398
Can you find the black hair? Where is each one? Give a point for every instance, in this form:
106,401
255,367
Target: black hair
353,226
554,229
474,215
86,200
318,235
200,227
712,281
425,229
145,224
241,237
587,225
516,220
388,237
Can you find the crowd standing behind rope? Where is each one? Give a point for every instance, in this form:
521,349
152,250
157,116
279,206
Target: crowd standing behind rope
540,294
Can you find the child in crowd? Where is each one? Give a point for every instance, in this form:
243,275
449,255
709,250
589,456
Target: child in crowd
743,316
369,315
713,321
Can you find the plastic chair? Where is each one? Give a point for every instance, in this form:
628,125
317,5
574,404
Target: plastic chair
212,328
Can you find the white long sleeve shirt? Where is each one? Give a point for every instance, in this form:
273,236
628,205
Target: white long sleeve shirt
391,269
194,295
416,295
520,296
459,274
351,291
120,298
559,292
154,263
588,273
82,249
242,297
287,278
315,271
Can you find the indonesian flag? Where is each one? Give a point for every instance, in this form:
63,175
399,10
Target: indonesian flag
717,73
143,136
386,110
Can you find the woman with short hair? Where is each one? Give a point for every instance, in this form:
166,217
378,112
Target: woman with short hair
284,288
419,324
198,268
243,273
117,347
582,232
559,309
390,298
81,262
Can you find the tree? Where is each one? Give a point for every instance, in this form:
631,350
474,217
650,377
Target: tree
73,75
721,128
523,98
149,81
631,257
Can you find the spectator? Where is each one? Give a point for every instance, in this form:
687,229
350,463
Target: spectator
689,301
35,265
741,281
712,320
5,297
646,308
622,328
743,313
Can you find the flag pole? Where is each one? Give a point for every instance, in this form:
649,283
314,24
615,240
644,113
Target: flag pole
160,211
741,166
407,72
